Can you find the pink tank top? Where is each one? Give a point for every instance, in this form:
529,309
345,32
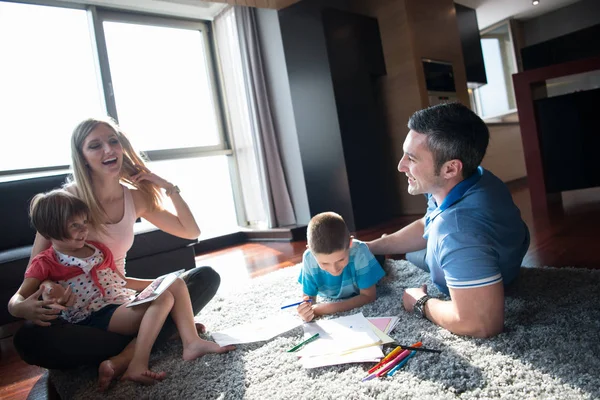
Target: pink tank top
119,236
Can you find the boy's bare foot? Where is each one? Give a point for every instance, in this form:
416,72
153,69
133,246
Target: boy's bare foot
200,347
143,375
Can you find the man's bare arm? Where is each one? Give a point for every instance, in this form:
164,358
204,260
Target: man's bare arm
477,312
406,240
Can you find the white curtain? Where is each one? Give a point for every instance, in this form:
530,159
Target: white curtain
266,199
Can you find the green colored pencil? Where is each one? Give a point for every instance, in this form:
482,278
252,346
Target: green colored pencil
310,339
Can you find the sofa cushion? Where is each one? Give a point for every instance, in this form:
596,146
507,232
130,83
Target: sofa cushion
12,266
161,263
14,212
153,253
149,240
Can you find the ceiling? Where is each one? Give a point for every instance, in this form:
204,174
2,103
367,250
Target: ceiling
491,11
177,8
488,11
196,9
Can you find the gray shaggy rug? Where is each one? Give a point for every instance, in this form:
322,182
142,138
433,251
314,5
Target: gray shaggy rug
549,350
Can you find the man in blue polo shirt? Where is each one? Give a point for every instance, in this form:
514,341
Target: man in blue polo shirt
472,239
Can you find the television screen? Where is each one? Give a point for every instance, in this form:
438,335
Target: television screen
439,76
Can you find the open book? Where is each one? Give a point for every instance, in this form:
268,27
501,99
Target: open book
156,288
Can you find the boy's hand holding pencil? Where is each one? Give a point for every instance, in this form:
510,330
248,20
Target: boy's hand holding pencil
305,309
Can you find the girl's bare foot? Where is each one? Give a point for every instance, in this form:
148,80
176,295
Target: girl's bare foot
200,347
143,375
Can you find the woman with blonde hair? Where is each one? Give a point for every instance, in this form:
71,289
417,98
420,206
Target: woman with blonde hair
103,160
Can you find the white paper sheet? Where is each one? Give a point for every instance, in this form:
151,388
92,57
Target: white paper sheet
368,354
341,340
257,331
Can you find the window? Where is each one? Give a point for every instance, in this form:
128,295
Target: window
48,83
497,97
162,85
155,75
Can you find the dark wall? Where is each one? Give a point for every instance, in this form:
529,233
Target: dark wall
574,46
566,34
569,128
471,44
356,61
563,21
314,109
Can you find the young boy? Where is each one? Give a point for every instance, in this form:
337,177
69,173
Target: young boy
337,266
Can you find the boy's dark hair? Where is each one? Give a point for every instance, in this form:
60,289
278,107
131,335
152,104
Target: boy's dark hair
453,132
327,233
50,213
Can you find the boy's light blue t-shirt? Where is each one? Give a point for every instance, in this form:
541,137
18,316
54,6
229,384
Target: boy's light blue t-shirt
362,272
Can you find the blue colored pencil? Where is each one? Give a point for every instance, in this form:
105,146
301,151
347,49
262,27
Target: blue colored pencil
401,364
296,304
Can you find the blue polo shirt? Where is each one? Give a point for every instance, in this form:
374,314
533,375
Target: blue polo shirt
361,272
476,237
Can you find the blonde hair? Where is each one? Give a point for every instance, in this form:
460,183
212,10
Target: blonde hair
327,233
50,213
132,164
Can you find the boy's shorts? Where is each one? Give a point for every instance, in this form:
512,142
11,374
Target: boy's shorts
101,318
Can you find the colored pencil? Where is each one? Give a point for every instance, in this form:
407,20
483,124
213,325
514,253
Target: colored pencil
387,358
392,363
296,304
307,341
387,362
401,364
413,347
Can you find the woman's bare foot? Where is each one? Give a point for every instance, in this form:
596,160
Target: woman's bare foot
143,375
108,371
200,328
200,347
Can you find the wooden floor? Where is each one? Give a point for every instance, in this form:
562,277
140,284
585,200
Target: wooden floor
567,239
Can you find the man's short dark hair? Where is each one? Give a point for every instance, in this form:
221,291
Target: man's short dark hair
327,233
453,132
50,213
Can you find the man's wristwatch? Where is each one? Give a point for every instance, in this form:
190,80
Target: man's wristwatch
419,307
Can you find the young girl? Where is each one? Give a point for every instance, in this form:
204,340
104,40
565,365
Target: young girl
81,280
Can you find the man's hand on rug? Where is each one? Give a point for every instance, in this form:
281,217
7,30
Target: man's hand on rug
411,295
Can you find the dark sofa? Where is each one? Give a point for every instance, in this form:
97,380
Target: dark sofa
153,253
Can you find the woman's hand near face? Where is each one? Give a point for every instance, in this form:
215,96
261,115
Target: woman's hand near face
152,178
182,223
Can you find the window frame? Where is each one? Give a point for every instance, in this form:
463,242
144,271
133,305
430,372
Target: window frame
102,15
512,59
96,16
